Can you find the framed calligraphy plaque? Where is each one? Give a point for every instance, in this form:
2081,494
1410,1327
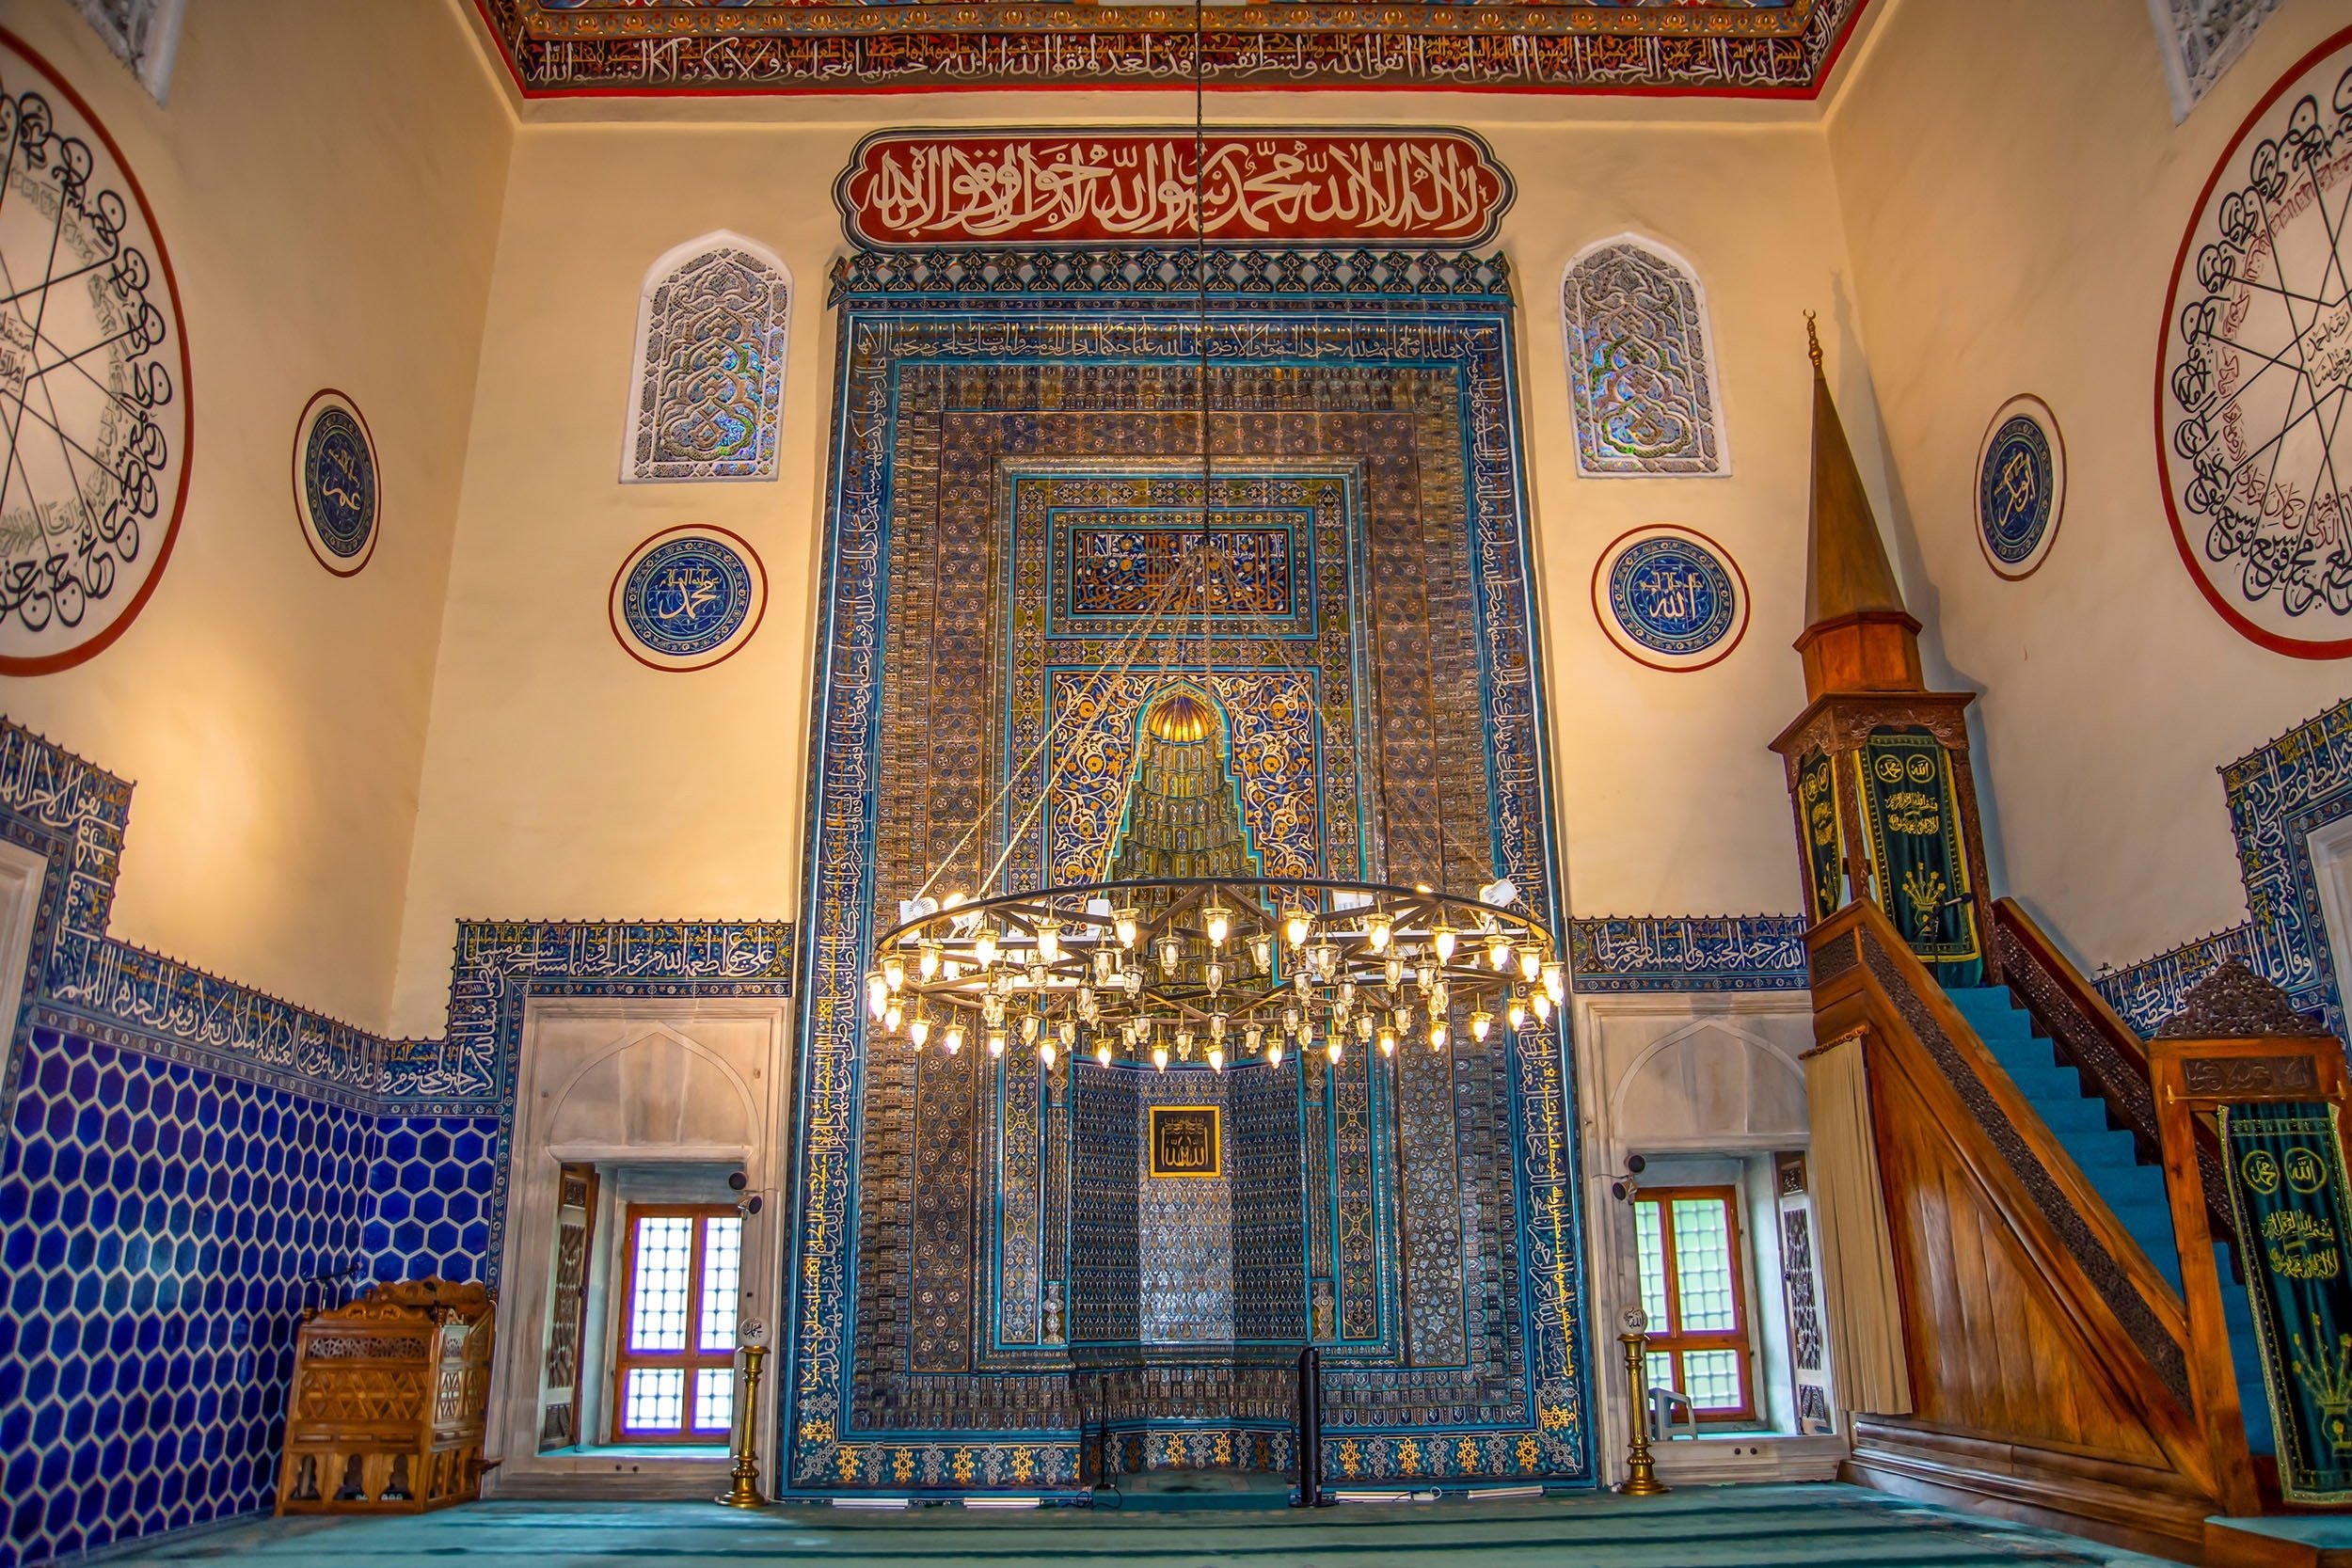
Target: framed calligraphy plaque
1185,1141
338,482
1670,599
94,366
2021,486
687,598
1366,187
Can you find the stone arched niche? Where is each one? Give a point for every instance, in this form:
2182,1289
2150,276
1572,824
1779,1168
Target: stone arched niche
659,1091
1711,1081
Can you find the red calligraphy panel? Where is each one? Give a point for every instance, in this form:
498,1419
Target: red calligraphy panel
917,189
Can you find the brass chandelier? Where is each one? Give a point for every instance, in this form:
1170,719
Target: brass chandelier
1231,970
1181,950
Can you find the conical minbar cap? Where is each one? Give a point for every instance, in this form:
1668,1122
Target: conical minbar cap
1846,567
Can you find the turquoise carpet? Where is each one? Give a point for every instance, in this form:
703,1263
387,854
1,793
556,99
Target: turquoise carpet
1756,1526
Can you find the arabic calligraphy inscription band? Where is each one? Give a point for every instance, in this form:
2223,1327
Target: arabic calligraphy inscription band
1052,187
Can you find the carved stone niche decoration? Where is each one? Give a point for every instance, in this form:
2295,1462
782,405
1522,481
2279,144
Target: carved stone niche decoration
2235,1002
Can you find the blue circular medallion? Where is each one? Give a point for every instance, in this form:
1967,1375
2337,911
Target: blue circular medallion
1672,595
686,596
339,483
2021,483
2013,492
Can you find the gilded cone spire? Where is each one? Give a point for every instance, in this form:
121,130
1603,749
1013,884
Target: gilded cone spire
1846,567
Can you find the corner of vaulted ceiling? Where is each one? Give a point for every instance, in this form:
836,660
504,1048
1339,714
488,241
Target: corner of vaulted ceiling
1854,58
490,55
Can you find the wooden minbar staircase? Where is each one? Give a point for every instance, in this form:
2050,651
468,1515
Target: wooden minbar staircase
2066,1303
2081,1353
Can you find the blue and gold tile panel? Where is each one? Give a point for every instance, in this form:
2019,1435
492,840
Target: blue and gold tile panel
2279,795
2146,993
1110,569
1688,953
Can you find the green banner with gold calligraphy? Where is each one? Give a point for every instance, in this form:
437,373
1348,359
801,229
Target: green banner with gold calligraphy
1909,802
1817,820
2287,1190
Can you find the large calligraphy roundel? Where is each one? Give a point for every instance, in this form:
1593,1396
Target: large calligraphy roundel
687,598
1670,599
2255,370
94,380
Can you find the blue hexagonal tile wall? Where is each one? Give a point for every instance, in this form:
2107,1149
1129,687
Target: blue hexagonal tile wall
164,1226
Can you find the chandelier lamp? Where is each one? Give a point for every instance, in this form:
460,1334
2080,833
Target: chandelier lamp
1212,969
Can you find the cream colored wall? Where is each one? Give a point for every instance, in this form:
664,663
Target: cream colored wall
327,178
1669,800
563,780
2014,191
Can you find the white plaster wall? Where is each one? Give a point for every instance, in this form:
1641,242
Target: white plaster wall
327,178
563,779
2014,191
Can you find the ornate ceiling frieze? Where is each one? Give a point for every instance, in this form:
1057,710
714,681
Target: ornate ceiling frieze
690,47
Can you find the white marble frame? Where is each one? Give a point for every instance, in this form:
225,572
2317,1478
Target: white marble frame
565,1039
22,874
1775,1028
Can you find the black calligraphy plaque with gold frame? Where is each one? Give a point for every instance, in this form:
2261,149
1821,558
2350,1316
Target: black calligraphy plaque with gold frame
1185,1141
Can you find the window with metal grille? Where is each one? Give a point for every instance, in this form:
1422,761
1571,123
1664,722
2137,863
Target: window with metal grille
675,1376
1687,1241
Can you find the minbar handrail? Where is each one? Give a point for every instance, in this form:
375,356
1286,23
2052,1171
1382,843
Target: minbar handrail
2093,1039
1866,979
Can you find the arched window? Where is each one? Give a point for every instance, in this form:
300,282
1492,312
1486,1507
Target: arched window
1640,369
707,387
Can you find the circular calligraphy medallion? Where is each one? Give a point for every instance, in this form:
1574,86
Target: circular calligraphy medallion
2255,370
2021,486
93,376
687,598
337,484
1670,599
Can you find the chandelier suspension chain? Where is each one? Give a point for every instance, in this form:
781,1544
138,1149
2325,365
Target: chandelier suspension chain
1124,653
1198,948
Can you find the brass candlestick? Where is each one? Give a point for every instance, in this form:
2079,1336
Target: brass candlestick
743,1491
1640,1480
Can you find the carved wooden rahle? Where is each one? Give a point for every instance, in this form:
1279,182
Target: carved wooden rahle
389,1399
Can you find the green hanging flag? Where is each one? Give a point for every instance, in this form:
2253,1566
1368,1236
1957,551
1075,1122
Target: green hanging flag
1817,816
1910,804
2288,1192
